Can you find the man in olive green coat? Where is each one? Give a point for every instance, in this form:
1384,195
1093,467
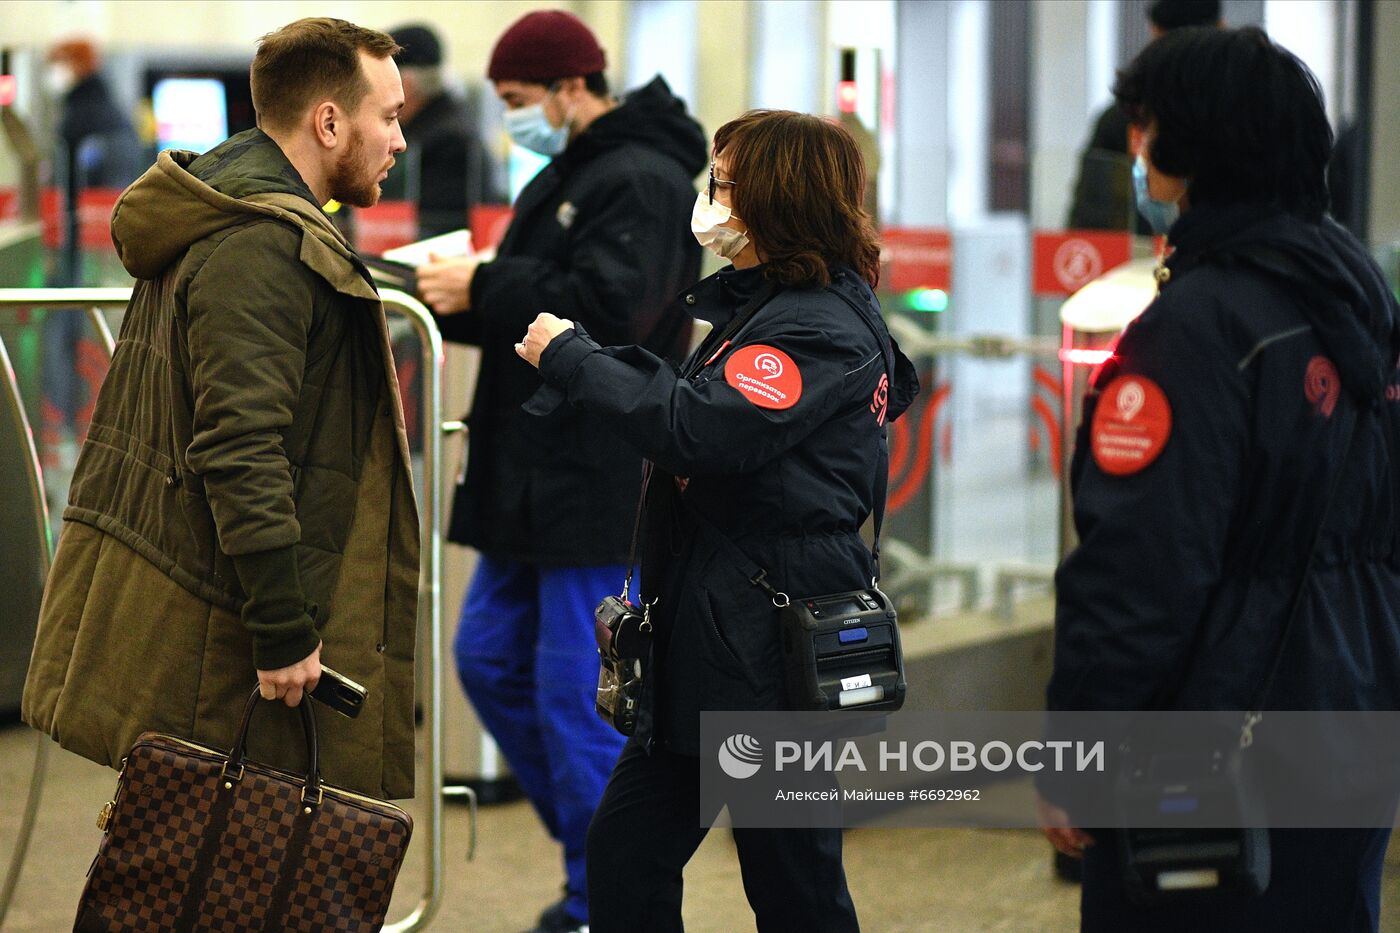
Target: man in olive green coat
243,505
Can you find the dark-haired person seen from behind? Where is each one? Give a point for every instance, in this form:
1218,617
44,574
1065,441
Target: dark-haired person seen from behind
1262,378
774,432
599,236
243,504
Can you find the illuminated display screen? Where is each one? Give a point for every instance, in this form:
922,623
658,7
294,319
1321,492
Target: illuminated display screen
191,113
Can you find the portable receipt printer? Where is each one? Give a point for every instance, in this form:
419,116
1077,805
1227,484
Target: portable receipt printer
842,652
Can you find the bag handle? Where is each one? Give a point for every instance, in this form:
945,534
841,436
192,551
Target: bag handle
233,768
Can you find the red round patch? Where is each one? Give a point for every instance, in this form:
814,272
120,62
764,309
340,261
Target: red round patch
765,375
1131,425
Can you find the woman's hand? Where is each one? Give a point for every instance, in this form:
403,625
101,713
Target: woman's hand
544,329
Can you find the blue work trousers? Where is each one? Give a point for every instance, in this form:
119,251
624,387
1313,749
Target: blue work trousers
528,661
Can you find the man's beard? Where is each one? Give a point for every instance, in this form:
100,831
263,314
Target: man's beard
347,183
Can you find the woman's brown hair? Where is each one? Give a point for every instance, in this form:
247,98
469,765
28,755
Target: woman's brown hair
799,185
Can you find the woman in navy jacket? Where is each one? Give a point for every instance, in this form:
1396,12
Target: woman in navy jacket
1261,377
775,434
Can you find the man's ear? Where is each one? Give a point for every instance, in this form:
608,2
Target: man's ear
328,124
572,87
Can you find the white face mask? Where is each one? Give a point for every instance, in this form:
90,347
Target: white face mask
706,222
59,79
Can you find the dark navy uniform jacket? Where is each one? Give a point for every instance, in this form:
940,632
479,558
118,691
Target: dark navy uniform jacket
600,236
1272,336
776,440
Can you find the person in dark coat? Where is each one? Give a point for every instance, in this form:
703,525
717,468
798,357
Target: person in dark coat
446,169
96,148
775,434
598,236
1103,190
1263,375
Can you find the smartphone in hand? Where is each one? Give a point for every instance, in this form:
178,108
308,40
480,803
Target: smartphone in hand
339,692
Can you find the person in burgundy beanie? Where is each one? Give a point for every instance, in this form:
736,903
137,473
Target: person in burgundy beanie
600,236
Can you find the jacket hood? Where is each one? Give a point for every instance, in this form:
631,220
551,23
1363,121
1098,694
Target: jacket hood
186,197
654,117
1341,290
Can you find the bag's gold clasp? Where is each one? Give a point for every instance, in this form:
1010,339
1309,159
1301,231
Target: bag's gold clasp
104,819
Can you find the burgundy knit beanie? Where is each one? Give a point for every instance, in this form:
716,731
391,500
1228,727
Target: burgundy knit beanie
546,45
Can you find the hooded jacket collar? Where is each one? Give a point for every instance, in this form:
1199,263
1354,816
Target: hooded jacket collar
1342,293
651,116
186,197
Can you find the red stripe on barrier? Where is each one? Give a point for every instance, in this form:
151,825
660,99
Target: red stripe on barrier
1052,429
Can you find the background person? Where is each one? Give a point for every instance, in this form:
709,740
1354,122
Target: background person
97,148
787,475
1103,191
600,236
446,170
244,495
1274,335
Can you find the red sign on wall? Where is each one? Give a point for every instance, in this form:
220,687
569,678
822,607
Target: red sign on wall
95,217
489,223
918,257
386,225
1067,260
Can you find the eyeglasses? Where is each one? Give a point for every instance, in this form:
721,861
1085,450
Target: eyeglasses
717,182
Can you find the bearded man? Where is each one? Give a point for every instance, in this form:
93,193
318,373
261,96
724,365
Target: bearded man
243,503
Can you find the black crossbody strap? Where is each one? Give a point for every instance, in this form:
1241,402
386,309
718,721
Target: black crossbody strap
882,479
741,318
747,566
1255,714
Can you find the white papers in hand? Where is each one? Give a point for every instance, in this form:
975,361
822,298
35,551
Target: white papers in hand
447,246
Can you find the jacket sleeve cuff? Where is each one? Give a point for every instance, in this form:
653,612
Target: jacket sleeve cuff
275,610
564,354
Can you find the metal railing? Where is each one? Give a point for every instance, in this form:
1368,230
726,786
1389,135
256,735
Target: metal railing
14,402
92,301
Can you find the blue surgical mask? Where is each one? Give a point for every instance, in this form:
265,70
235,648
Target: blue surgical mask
1160,215
530,127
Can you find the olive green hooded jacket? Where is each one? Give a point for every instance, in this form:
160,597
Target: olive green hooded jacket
245,488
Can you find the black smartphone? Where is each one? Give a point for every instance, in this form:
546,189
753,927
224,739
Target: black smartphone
339,692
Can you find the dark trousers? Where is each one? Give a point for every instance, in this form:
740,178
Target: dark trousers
1321,879
648,825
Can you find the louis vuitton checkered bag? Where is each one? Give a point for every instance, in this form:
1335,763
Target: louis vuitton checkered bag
201,840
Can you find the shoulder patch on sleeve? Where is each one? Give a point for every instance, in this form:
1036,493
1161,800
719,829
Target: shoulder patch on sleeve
1131,425
765,375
